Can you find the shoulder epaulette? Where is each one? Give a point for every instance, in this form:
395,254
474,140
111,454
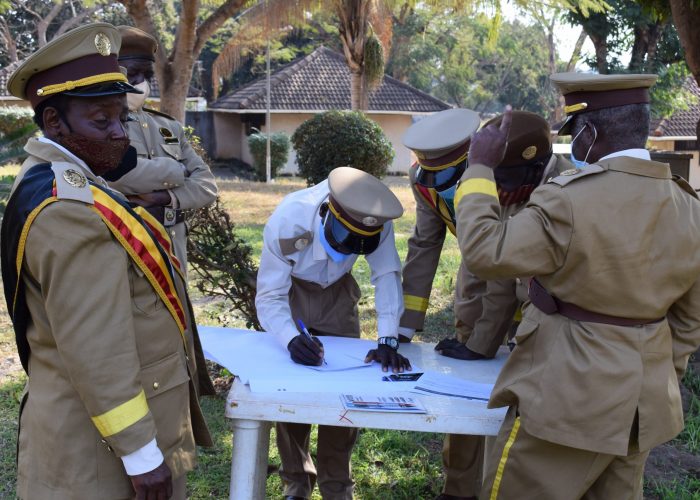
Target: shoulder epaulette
683,184
159,113
570,175
296,244
71,183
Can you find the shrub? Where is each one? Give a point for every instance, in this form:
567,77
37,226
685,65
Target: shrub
279,152
13,118
340,138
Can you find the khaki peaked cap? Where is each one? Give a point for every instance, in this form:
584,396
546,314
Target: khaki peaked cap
529,138
362,198
136,44
584,92
442,138
81,62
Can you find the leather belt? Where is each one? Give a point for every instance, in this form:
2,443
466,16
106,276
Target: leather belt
167,216
549,304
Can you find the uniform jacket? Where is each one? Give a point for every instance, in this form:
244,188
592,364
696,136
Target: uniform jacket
620,238
167,161
483,309
292,249
109,369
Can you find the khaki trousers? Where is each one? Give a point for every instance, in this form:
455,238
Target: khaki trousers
524,467
463,461
329,311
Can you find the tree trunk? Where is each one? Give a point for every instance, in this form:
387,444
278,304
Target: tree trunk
356,78
601,53
576,54
10,42
686,17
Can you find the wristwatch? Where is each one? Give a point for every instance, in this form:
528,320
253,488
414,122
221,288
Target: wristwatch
392,342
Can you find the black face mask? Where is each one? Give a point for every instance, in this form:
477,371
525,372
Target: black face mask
516,184
441,179
344,241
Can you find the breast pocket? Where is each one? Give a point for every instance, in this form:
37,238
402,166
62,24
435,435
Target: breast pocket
173,150
143,296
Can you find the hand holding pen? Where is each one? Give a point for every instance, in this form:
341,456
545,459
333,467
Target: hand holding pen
306,349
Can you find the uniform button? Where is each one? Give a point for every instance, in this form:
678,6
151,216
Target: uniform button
172,233
153,153
156,385
518,281
145,125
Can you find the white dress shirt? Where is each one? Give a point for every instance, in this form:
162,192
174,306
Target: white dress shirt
641,154
297,214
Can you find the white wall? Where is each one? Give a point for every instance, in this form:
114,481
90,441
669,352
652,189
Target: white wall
231,141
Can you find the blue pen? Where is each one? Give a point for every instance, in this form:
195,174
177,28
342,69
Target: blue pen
307,334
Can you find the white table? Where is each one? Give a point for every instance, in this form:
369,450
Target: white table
253,413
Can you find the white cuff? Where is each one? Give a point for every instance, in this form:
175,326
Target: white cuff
143,460
407,332
173,200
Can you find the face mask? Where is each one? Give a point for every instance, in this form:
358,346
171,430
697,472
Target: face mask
520,195
100,156
448,196
332,253
583,163
136,101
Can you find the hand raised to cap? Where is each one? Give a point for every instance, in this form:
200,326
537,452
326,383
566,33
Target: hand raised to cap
488,145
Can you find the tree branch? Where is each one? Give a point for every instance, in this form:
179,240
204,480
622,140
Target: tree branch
74,21
211,24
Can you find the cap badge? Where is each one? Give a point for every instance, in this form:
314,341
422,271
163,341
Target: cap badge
74,178
301,243
169,215
369,221
571,171
529,152
102,44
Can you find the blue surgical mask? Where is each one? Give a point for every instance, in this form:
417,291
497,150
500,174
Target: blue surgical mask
333,254
448,196
582,163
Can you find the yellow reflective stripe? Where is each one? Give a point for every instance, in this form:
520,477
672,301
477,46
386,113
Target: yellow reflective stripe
415,303
446,165
518,317
475,186
350,226
83,82
575,107
23,242
119,418
504,459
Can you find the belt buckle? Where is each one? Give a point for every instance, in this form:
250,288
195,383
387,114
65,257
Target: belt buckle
169,216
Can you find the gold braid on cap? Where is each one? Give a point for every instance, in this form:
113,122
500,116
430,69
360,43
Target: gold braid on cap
83,82
350,226
444,166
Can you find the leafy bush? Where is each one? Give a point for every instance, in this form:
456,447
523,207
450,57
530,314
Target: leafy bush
13,118
279,152
6,182
340,138
16,126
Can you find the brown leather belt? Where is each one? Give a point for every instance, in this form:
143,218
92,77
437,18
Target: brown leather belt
167,216
549,304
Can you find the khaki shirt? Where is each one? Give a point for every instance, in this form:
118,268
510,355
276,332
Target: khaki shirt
620,238
101,339
167,161
483,310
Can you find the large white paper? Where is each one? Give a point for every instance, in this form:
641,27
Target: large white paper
439,384
259,360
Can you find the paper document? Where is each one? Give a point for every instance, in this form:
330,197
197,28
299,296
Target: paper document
438,384
391,403
339,361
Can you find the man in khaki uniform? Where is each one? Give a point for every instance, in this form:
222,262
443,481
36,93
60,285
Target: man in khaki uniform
592,384
102,319
310,244
169,177
484,310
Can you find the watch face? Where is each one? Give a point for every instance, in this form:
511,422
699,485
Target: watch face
392,342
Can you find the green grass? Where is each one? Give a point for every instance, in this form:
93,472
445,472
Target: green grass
687,488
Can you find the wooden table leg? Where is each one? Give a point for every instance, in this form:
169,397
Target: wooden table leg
251,441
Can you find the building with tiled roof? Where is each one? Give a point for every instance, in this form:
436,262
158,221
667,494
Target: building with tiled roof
313,84
678,133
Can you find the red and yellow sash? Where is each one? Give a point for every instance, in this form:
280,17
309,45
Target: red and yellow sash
438,204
